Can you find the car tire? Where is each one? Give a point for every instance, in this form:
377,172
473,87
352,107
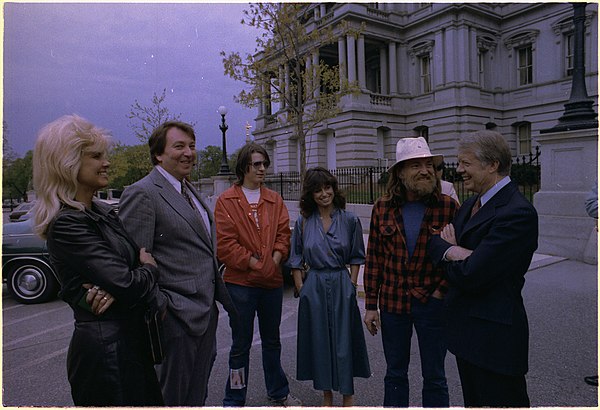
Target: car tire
31,281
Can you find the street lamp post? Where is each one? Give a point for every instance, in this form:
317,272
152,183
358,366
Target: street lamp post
224,170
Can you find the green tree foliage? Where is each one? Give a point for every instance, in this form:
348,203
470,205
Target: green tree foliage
209,161
16,177
144,119
128,164
284,41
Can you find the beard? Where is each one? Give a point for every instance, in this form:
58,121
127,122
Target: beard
420,186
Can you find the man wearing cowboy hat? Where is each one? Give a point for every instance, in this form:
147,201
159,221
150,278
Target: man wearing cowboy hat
400,279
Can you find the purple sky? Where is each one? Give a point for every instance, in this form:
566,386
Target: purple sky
95,60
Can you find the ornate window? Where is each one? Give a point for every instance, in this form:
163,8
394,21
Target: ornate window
485,48
425,73
525,65
565,29
422,52
524,45
569,53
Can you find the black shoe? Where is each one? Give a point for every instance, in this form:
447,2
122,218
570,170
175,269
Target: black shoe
591,380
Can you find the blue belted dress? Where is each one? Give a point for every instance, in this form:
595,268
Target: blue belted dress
331,344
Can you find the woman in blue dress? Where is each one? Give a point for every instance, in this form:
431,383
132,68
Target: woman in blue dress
331,344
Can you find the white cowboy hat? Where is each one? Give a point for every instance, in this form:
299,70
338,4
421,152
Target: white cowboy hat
410,148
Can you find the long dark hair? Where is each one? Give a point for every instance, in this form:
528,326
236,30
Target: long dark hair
314,180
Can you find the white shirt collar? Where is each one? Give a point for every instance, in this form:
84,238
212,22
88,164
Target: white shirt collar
172,180
494,190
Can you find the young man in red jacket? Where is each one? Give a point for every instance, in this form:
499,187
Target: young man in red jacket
253,239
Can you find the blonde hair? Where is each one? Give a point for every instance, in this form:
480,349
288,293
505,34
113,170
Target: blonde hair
56,163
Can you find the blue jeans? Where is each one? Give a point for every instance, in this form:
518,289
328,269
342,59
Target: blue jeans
396,334
266,304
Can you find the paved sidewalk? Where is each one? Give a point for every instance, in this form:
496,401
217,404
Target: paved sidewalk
562,303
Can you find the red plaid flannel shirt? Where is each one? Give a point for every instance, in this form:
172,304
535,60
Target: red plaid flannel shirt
391,278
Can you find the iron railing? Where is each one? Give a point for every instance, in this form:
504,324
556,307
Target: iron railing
364,185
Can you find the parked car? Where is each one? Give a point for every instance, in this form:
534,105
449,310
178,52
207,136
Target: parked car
20,210
26,268
25,216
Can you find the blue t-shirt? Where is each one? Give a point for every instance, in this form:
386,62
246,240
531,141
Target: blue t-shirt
412,215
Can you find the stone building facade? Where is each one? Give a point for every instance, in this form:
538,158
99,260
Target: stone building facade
439,71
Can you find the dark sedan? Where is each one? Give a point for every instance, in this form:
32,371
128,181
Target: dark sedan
26,267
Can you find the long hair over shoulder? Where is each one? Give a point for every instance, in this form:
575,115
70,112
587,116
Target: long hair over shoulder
314,180
397,194
56,162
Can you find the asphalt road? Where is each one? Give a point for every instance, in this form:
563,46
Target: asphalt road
561,300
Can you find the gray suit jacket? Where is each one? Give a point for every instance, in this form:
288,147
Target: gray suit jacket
162,221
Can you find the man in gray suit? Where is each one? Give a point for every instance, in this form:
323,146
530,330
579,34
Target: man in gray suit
164,214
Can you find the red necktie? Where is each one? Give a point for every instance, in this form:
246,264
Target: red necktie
476,207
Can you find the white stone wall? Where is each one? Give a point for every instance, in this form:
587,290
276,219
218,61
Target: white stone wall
458,104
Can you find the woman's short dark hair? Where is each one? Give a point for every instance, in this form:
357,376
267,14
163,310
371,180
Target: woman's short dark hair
244,160
314,180
158,140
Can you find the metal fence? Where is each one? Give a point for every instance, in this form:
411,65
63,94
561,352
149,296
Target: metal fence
363,185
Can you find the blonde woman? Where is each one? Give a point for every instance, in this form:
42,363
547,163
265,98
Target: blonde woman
108,363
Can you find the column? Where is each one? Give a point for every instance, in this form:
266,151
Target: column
444,56
473,57
286,73
392,65
462,43
343,63
308,76
351,43
282,89
323,8
360,51
403,68
383,70
267,94
316,77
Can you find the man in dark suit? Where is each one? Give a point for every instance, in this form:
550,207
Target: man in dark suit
487,251
164,214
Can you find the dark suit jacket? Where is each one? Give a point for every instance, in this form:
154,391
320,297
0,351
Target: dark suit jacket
487,322
161,220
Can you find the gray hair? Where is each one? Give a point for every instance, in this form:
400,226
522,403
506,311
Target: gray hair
488,147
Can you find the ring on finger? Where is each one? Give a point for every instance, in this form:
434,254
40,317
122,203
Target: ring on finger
96,287
105,298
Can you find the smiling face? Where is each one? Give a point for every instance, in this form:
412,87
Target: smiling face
477,176
93,173
179,155
418,176
324,196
